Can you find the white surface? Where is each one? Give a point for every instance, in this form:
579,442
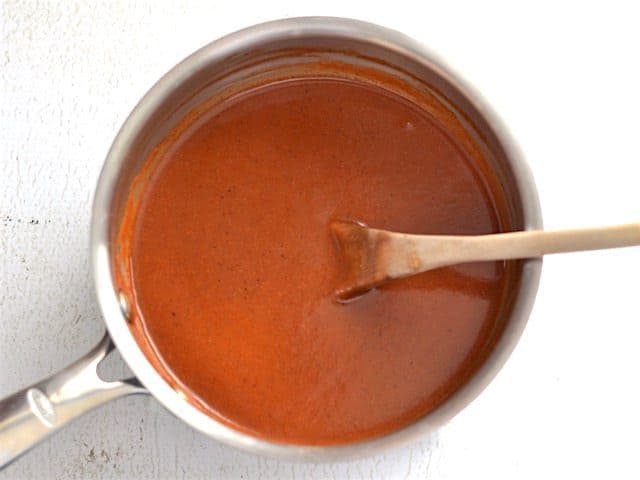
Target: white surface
567,81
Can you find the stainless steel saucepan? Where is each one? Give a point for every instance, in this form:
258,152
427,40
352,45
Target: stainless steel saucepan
28,416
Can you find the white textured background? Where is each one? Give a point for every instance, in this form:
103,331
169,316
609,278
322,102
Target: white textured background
565,77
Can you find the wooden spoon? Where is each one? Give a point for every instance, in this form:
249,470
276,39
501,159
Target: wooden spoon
373,257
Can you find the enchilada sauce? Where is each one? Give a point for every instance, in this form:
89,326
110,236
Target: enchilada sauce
233,267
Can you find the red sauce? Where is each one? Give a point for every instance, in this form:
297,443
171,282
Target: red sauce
234,270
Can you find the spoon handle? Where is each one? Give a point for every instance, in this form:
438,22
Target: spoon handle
527,244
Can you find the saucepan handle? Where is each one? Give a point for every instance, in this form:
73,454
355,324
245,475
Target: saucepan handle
32,414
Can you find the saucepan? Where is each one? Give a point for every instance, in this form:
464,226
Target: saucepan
28,416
